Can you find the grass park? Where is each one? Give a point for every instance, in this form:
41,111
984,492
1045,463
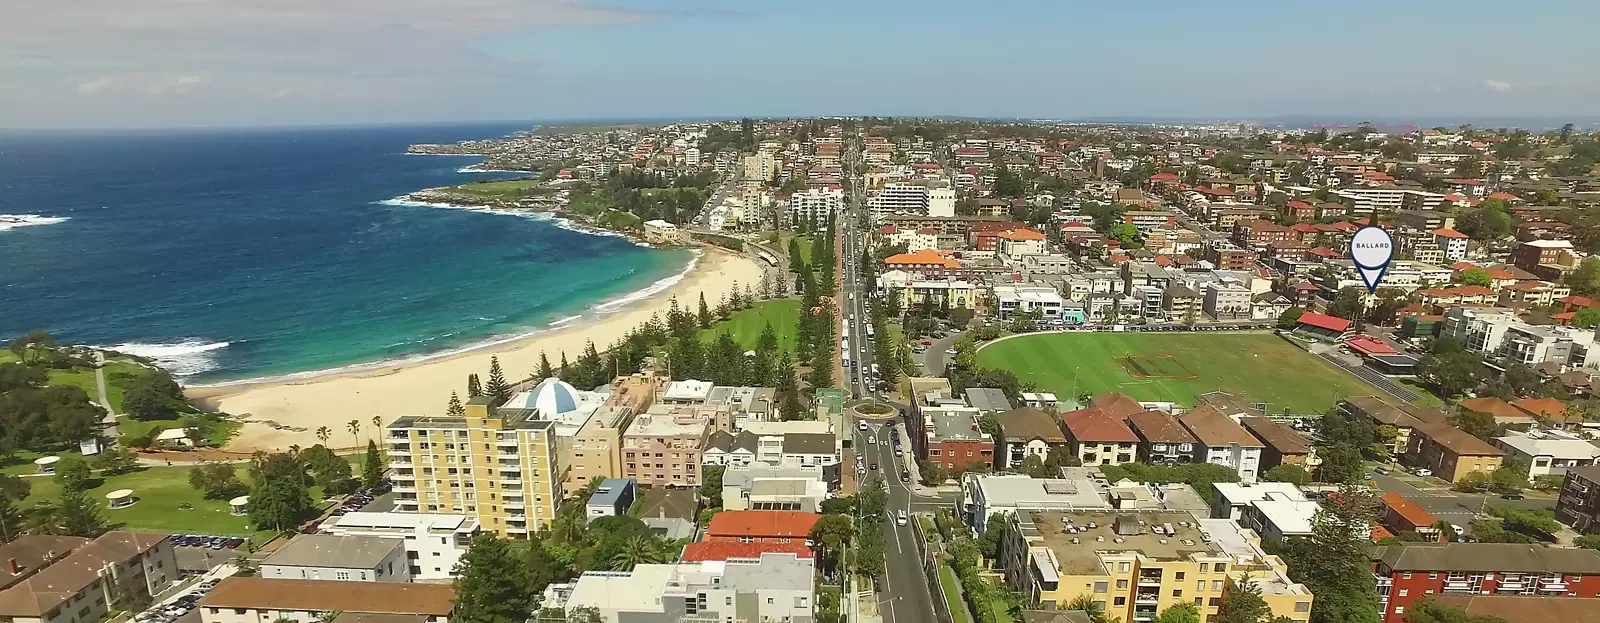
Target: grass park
747,324
1175,367
502,189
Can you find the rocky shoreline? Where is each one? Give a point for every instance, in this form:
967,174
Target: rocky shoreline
552,207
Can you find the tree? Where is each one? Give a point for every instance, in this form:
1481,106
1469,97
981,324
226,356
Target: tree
1476,423
116,460
1587,318
1096,609
79,514
1127,235
11,518
280,498
1450,373
1293,474
72,473
1471,482
1476,277
1241,602
1485,222
497,388
141,402
1429,610
490,586
711,484
705,313
933,473
1290,317
454,408
637,550
324,433
475,388
833,533
354,426
1349,303
372,467
27,347
544,371
1512,477
1185,612
993,531
1332,560
217,481
1585,279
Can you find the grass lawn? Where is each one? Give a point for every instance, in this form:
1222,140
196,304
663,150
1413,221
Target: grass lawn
1176,367
747,324
805,248
952,594
500,188
162,493
1001,608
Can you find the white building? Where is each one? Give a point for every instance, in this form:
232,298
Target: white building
766,487
815,204
776,587
1227,301
1223,442
1010,300
339,558
900,198
434,543
1452,242
942,202
1549,452
1499,332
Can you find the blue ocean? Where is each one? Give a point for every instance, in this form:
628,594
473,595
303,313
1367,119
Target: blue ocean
228,255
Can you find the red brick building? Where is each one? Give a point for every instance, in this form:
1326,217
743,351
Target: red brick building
1259,233
1406,573
1231,259
775,527
955,440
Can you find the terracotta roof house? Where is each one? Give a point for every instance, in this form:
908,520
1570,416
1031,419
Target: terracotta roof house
1403,515
1224,442
700,551
1029,432
1099,438
1162,439
1116,405
1550,409
761,526
1501,410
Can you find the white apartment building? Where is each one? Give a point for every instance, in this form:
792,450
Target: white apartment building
775,587
942,202
339,558
1549,452
1224,442
899,198
1008,300
766,487
815,204
1226,302
1367,201
1499,332
434,543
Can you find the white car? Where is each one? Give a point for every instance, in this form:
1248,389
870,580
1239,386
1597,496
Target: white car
901,519
1423,472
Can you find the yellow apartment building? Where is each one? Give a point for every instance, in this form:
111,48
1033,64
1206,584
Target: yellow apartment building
503,469
1136,564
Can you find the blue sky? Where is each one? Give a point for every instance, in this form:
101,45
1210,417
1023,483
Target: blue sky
113,63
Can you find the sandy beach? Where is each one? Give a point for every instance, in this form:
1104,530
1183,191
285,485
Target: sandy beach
423,388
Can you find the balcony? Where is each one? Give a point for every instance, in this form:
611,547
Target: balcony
1457,585
509,457
1553,585
400,448
1510,586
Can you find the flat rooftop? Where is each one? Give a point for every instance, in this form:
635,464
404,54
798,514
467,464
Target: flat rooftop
1099,532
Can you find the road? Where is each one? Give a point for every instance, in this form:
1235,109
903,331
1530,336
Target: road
1454,507
908,598
852,292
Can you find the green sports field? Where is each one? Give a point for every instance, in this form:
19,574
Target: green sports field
1174,367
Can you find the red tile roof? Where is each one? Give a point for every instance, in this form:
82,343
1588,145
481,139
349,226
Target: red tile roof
1503,196
1370,346
723,550
1116,405
1578,301
1323,321
1448,233
1408,510
1093,425
790,524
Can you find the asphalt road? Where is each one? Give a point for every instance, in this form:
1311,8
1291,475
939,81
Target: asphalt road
1454,507
904,597
852,291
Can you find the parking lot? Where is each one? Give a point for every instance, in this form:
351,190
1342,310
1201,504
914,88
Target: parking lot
179,605
197,553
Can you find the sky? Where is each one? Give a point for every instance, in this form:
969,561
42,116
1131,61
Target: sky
178,63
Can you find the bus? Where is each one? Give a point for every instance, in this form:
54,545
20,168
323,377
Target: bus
870,332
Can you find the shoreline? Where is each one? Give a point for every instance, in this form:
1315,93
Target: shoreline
279,412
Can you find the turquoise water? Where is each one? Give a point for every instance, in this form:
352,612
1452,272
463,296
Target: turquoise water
232,255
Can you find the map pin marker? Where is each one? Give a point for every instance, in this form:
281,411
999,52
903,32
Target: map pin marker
1371,248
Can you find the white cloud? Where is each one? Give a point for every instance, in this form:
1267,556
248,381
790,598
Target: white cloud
1497,86
140,83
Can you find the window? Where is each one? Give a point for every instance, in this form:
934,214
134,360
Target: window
1178,576
1200,585
1406,575
1216,585
1123,567
1122,585
1399,609
1177,593
1100,587
1119,601
1433,576
1220,567
1199,601
1403,591
1205,566
1302,606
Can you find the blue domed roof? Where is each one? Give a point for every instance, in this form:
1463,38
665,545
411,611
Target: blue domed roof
553,396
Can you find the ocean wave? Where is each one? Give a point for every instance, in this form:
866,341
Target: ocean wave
566,321
185,358
478,168
653,289
549,217
13,221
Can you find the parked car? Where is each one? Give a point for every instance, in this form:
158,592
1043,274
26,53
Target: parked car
1424,472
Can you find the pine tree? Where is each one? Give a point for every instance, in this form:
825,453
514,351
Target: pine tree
372,467
788,388
591,370
490,586
761,369
474,388
705,312
454,408
497,387
545,371
11,521
821,369
80,515
728,360
565,371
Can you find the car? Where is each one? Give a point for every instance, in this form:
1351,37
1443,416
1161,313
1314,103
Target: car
905,476
873,466
898,451
872,441
1381,470
950,351
900,518
1513,496
1424,472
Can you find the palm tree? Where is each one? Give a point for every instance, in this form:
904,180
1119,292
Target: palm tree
355,429
1087,603
324,433
377,424
636,551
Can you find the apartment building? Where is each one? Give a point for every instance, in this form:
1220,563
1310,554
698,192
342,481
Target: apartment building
268,600
761,526
504,468
611,499
1407,573
1532,254
1162,439
814,205
775,488
1385,200
1404,419
595,451
665,450
1500,332
1097,437
1227,301
1029,432
434,543
1283,445
339,558
955,439
662,232
1223,442
898,198
1579,504
1135,564
65,579
775,586
1450,452
1549,453
1009,300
